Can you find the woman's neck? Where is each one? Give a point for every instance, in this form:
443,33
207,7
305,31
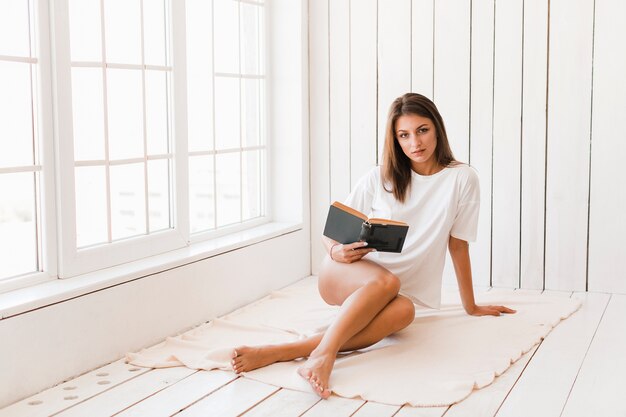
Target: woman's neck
426,168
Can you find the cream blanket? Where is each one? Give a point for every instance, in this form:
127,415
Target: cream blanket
438,360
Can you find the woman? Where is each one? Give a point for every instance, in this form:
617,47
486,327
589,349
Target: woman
421,184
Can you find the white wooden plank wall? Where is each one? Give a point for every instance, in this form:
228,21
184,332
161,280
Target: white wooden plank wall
527,88
534,79
507,99
569,120
608,195
481,128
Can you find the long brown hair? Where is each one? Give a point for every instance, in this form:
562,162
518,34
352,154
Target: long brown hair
396,168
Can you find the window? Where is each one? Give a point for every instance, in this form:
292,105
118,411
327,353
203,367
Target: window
20,164
159,129
226,108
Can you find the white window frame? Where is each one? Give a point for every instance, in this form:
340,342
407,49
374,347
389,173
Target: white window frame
75,261
265,216
285,212
46,234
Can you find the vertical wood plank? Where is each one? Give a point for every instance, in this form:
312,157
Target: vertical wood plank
533,143
422,13
506,143
608,201
569,118
362,87
451,88
319,125
481,132
339,50
452,72
394,58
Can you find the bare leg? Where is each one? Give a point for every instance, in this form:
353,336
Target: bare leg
364,290
397,315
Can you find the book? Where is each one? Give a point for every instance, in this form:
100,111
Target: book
347,225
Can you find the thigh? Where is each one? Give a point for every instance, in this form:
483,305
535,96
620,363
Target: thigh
337,280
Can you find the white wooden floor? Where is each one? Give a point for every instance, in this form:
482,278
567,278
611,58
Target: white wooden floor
578,370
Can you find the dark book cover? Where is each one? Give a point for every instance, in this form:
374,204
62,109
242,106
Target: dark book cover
347,225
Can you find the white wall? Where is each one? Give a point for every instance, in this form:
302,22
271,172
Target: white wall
527,88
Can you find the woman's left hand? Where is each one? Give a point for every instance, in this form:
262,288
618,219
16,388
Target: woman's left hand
489,310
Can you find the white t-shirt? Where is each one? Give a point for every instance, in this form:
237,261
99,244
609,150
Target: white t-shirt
437,206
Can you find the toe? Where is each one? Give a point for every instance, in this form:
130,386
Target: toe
326,393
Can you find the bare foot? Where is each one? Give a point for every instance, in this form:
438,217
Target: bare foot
316,370
245,358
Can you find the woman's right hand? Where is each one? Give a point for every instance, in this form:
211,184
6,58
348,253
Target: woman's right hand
349,253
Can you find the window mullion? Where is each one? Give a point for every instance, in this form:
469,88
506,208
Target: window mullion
213,114
105,104
145,133
177,46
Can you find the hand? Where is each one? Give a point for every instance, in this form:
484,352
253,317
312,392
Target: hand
350,252
489,310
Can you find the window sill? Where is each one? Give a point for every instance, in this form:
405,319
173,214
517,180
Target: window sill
51,292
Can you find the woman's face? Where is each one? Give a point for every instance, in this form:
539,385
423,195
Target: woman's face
418,139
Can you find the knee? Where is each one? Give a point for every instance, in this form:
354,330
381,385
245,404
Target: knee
405,312
389,283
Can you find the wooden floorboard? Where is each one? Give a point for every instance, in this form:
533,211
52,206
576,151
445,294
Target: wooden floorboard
126,395
601,383
231,400
543,388
285,403
335,406
578,370
181,395
75,391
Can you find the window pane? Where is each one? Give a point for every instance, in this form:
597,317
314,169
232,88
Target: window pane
159,194
201,198
199,76
128,202
125,113
157,112
16,120
250,32
14,36
227,113
87,107
91,206
18,232
251,184
250,109
85,30
123,31
226,30
154,32
228,188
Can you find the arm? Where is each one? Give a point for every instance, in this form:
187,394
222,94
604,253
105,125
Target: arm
459,251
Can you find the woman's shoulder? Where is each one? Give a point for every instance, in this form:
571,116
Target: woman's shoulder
370,179
464,172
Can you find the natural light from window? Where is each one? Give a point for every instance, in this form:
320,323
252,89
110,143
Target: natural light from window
111,190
